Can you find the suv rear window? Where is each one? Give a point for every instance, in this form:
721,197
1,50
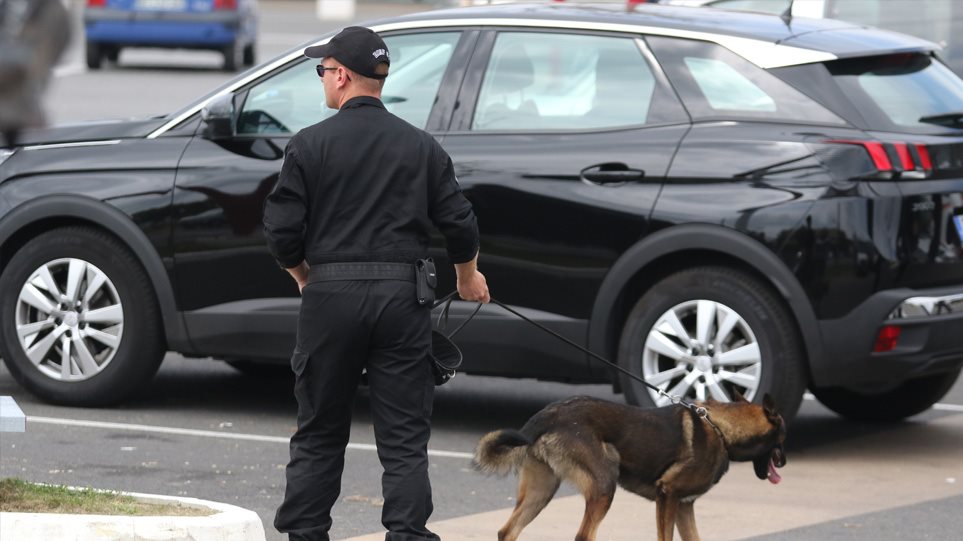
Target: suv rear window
907,92
717,84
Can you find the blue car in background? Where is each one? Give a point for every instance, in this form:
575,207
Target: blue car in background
228,26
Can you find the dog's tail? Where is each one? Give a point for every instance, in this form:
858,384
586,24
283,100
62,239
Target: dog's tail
501,452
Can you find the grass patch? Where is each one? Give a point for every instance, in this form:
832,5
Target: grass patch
17,496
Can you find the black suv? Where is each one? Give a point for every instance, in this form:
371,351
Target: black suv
722,202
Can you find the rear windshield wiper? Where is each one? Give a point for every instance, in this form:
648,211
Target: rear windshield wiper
944,119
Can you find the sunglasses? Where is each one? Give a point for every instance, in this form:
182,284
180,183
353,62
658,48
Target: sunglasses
321,69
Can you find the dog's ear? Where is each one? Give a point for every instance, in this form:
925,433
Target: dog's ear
737,397
769,405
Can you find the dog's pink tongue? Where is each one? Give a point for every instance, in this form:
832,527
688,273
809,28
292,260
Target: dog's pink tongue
774,476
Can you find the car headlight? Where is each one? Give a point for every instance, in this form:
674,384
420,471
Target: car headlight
6,153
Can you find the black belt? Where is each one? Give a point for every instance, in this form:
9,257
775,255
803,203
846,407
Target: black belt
330,272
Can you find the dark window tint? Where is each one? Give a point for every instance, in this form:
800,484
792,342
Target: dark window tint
936,20
293,99
418,63
716,83
902,92
548,81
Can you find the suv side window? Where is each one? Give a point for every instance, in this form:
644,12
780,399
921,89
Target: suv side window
293,99
418,63
550,81
284,103
725,88
716,83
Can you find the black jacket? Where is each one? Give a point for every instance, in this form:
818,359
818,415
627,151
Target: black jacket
364,185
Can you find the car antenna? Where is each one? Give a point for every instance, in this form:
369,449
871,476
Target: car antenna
787,15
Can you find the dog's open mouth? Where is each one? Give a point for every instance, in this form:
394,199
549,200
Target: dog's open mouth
774,476
765,466
777,459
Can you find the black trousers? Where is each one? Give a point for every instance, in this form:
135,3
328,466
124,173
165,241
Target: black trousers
345,326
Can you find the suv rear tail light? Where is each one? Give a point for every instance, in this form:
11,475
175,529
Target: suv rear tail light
905,160
895,160
924,154
96,3
886,339
225,4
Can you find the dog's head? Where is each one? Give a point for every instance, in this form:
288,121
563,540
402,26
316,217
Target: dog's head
757,432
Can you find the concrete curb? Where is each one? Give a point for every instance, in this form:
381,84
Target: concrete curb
229,523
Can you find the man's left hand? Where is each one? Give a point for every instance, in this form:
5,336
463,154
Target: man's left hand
300,275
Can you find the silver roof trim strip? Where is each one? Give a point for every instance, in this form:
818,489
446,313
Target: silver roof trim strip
74,144
764,54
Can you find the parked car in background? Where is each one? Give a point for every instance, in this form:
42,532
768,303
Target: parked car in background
226,26
720,202
936,20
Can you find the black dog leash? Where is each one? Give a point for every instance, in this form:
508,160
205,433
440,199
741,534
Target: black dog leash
674,399
443,316
443,322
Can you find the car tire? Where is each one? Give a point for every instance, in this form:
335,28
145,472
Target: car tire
95,55
250,56
909,398
233,56
748,345
113,54
69,296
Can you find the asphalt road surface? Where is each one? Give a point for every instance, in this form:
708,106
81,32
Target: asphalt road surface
203,429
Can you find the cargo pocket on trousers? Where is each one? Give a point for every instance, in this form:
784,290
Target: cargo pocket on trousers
299,363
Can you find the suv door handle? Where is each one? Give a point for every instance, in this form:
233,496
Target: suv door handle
611,173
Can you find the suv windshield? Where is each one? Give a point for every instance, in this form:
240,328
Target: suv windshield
902,92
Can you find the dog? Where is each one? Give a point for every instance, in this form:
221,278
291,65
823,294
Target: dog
671,455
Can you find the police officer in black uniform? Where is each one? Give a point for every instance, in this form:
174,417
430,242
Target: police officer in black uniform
352,211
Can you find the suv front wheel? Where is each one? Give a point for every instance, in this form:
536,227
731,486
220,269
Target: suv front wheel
80,324
712,333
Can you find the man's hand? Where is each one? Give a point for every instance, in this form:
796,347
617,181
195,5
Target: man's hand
300,275
472,285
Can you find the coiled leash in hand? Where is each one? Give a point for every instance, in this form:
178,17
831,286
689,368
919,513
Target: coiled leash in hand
445,355
443,323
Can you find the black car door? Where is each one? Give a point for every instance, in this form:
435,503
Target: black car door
561,140
237,303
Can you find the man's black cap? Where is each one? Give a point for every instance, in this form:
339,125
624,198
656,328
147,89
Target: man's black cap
360,49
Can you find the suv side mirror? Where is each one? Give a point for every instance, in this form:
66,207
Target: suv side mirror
218,117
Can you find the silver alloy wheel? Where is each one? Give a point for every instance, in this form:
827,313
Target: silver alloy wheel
69,319
701,349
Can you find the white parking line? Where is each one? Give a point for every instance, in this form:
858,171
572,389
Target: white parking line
69,69
284,41
956,408
209,434
948,407
278,439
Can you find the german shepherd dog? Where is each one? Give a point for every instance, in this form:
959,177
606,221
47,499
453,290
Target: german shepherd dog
671,455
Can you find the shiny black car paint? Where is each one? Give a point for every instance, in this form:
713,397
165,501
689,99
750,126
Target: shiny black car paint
775,199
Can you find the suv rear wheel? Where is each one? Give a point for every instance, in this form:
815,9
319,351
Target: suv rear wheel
95,55
712,332
233,56
909,398
249,55
80,324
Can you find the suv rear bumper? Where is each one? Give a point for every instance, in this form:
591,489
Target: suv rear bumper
162,28
930,340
